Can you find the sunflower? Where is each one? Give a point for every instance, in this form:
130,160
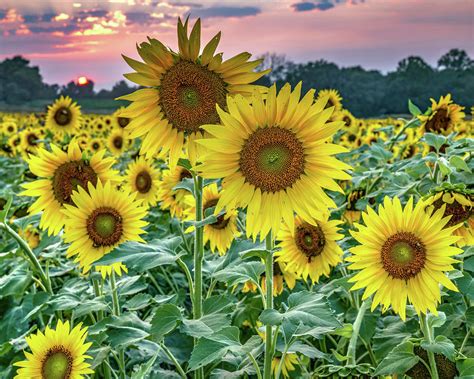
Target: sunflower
59,174
58,353
289,362
144,179
352,214
117,267
350,122
9,127
281,275
31,139
460,206
117,142
310,249
274,158
176,200
95,145
184,88
403,256
221,233
64,116
101,219
443,117
31,235
119,120
334,99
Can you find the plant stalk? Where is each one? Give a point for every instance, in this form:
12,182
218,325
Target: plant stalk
267,368
117,312
351,350
428,333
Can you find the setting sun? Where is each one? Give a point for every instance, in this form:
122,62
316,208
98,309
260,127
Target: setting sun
82,80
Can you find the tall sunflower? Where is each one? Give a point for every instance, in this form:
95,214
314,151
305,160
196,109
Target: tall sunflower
403,256
443,117
274,158
59,173
460,206
182,91
144,179
101,219
64,116
58,353
221,233
311,248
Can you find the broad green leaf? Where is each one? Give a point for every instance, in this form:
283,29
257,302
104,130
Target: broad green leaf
241,273
441,345
139,301
459,163
398,361
435,140
122,336
16,282
465,368
436,321
144,369
414,110
214,347
88,306
143,257
165,320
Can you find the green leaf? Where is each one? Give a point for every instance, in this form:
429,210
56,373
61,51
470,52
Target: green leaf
435,140
122,336
15,283
444,166
441,345
241,273
308,308
144,368
436,321
257,251
398,361
307,350
165,320
87,306
414,110
6,209
143,257
214,347
459,163
465,368
139,301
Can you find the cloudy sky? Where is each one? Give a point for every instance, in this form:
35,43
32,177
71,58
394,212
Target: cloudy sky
71,38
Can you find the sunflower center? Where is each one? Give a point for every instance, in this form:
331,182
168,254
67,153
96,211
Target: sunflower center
143,182
310,240
123,121
189,93
272,159
118,142
63,116
69,176
458,212
347,120
403,255
95,146
105,226
329,104
32,139
57,364
439,122
221,222
185,174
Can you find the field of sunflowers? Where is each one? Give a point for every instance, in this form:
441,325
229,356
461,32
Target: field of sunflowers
214,228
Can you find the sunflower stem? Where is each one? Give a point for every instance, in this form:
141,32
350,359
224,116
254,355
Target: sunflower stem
100,317
351,350
116,311
397,136
267,369
45,280
428,333
198,257
174,360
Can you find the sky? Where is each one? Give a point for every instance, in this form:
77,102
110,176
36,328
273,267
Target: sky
72,38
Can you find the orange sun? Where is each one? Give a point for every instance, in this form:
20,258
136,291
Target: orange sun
82,80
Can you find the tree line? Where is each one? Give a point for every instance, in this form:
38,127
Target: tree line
366,93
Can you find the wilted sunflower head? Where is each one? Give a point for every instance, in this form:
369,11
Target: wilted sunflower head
63,116
443,117
183,89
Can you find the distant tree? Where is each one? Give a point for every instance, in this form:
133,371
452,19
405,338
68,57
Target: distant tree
455,59
278,63
77,91
119,89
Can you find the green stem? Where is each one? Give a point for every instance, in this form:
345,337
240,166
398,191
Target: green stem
255,365
466,338
31,256
173,359
117,312
189,277
397,136
100,317
267,368
198,257
351,350
427,332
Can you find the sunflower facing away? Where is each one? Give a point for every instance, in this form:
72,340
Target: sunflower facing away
460,206
64,116
59,173
443,117
274,158
176,200
101,219
183,90
403,256
57,354
221,233
144,179
311,248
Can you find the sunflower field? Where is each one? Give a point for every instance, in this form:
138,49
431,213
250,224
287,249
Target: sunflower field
216,228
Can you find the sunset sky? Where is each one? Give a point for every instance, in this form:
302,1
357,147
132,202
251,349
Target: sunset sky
68,39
